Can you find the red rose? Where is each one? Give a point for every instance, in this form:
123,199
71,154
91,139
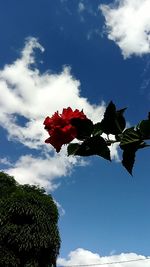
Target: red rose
60,129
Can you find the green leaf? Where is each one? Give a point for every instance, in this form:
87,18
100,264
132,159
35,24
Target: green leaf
120,120
144,128
131,141
103,150
84,127
121,111
130,136
72,148
129,158
97,129
93,146
129,154
113,121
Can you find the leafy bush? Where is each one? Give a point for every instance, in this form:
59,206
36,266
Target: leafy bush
29,234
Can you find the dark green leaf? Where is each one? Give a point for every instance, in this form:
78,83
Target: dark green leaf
129,155
94,146
120,120
128,158
113,121
144,128
97,129
84,128
130,142
118,137
111,109
121,111
143,145
72,149
130,136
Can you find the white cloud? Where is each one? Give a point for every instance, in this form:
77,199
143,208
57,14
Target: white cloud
27,93
5,161
79,256
81,7
28,96
114,152
128,25
44,170
62,212
82,256
41,170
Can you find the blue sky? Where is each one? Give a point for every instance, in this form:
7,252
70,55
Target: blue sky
83,54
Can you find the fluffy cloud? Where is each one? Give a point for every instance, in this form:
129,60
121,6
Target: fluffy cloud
128,25
82,256
41,170
26,98
25,94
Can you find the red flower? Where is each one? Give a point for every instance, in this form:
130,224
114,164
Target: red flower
60,129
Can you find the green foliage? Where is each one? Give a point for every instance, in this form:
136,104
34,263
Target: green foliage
95,145
84,128
144,129
113,121
28,227
7,184
97,136
130,142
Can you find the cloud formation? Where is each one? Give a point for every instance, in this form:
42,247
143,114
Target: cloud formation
27,94
41,170
128,25
82,256
26,98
